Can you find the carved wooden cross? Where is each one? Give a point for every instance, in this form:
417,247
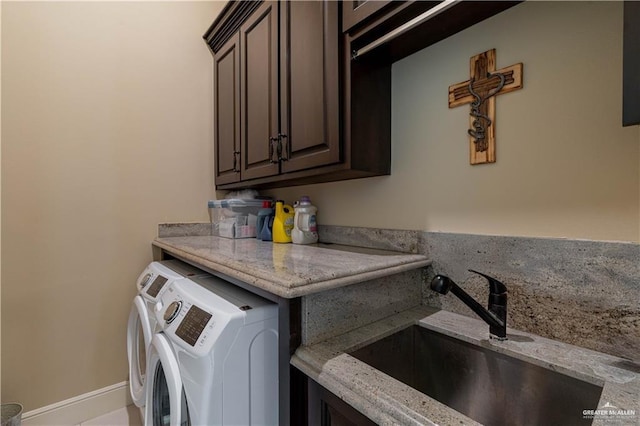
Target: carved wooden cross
480,91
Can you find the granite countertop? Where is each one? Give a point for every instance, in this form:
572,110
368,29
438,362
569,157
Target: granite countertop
289,270
387,401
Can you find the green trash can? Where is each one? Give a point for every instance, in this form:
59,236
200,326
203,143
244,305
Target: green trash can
11,414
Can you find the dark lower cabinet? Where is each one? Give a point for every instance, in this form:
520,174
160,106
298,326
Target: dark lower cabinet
326,409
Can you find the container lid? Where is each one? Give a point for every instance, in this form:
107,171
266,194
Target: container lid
234,202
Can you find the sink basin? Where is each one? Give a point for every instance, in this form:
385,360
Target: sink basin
489,387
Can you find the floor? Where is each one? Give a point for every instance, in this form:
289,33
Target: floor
129,416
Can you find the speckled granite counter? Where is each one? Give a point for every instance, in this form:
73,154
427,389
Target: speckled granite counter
389,402
290,270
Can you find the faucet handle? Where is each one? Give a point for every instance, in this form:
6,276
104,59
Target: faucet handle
441,284
495,286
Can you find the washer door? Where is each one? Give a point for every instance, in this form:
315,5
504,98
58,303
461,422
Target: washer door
138,341
166,401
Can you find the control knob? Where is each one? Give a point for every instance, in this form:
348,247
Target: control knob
145,280
172,311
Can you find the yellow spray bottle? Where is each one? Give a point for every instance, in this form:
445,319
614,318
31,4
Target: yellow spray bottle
283,222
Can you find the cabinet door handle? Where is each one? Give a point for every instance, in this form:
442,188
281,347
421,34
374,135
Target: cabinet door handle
236,154
286,150
441,7
272,140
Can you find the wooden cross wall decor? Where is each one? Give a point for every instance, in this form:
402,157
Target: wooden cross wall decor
480,91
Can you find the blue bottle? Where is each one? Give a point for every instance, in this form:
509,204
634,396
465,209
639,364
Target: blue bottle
263,216
267,228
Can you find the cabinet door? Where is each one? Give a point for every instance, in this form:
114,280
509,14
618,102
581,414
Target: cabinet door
259,91
310,88
227,112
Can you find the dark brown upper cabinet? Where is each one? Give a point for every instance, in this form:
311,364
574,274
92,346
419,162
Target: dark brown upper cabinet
290,109
227,111
631,64
277,93
310,84
259,103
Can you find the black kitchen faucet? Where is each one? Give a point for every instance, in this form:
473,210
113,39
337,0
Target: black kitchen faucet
495,316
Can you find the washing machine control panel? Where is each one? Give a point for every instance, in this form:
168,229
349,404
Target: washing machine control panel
156,286
193,325
194,318
154,280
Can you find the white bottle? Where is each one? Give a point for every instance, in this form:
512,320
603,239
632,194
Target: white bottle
305,227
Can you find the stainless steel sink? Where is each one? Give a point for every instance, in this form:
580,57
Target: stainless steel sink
489,387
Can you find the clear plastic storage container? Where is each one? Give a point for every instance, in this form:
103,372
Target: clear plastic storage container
235,217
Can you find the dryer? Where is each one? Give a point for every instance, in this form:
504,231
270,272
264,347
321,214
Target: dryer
151,283
215,361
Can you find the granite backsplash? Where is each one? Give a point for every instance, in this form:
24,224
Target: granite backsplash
586,293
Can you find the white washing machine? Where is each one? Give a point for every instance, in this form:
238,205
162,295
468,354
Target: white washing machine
153,281
216,360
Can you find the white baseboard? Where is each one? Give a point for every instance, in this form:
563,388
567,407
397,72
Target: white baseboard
76,410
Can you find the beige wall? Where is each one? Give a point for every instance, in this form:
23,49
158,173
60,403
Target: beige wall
565,166
107,114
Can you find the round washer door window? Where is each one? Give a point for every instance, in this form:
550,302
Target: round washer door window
162,402
166,400
138,341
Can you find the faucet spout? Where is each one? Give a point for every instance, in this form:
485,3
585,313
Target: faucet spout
495,315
